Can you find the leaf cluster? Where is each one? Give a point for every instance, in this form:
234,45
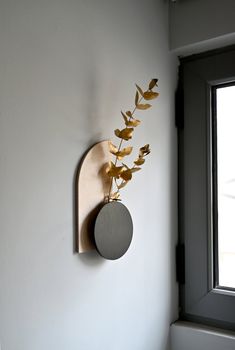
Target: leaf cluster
121,173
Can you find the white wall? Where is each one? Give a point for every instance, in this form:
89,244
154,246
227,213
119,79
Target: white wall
209,22
67,67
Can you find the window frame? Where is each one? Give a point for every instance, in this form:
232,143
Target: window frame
215,184
200,299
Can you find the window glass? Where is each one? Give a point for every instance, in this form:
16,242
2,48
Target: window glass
225,100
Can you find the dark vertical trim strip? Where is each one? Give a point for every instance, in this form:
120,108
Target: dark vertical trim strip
179,102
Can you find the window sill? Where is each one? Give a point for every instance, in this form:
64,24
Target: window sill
187,335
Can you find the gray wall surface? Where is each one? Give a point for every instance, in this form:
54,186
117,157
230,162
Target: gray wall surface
194,21
67,68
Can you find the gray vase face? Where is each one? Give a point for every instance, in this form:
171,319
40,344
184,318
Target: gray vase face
113,230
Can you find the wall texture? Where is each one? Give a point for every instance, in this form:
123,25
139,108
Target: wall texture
67,67
210,22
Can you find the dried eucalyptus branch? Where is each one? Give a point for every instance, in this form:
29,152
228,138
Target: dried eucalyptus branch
122,174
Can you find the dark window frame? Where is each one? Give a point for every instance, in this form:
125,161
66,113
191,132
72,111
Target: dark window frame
201,300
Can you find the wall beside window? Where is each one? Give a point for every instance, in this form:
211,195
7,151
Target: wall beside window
67,67
195,21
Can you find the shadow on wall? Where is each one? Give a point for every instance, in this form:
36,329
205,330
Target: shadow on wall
92,117
92,124
91,130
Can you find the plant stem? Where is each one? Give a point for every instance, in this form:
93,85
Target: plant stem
119,148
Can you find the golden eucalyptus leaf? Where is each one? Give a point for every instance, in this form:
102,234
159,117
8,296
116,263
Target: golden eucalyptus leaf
125,134
126,175
135,169
136,98
124,152
143,106
112,149
139,161
122,184
152,83
117,132
125,118
113,152
115,171
150,95
140,90
127,150
108,166
133,122
144,150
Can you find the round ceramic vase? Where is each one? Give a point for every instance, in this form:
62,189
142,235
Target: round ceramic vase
113,230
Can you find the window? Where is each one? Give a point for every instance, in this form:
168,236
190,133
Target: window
224,133
207,187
